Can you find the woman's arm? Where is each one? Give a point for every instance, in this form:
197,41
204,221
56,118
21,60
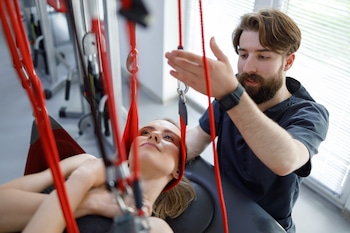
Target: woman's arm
49,215
39,181
17,207
90,176
21,197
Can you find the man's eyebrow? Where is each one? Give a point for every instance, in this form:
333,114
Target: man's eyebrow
258,50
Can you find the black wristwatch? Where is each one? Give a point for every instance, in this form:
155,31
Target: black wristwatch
230,100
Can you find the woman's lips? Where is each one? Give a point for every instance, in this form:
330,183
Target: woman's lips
148,144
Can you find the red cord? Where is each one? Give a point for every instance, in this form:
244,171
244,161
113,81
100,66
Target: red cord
131,126
180,24
183,143
212,126
17,42
183,112
133,112
101,41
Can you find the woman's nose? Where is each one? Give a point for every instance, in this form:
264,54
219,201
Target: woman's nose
155,136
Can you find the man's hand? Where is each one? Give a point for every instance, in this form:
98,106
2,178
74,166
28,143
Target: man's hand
190,69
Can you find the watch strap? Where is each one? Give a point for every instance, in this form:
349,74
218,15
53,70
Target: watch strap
232,99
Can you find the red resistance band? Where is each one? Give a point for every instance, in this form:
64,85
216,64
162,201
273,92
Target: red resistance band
96,27
131,128
18,44
132,123
182,107
212,126
211,114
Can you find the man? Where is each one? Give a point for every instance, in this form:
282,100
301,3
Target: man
268,126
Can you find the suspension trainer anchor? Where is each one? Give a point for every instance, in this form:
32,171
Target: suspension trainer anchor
132,62
182,100
182,91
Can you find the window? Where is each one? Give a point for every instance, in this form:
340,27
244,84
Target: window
321,65
218,21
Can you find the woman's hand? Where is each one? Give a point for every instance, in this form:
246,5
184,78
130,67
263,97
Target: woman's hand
98,201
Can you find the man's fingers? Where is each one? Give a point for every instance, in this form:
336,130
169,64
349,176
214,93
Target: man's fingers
217,51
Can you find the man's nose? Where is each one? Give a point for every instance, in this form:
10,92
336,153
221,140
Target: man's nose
249,66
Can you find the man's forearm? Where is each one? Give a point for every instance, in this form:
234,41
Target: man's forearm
272,144
196,141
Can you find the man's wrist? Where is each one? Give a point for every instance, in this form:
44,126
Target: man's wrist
232,99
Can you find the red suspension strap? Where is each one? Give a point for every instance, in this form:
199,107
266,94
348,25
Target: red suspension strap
123,179
179,8
117,171
132,122
131,128
212,126
17,42
182,90
107,81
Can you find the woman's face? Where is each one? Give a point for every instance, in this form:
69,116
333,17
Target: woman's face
158,144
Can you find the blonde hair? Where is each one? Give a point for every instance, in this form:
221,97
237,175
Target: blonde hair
172,203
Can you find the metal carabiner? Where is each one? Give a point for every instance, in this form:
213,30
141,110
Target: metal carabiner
182,91
132,62
114,175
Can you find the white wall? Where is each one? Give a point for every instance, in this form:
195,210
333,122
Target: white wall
152,42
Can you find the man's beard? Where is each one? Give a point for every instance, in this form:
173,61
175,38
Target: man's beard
267,88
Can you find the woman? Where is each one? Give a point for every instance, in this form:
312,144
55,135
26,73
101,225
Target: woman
158,144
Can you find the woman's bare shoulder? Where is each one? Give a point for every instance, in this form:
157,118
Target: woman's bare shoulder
159,226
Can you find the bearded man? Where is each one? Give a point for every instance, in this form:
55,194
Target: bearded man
268,126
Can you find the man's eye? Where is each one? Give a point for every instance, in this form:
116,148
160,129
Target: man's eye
261,57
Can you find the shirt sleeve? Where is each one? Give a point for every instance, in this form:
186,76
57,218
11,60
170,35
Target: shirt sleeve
308,124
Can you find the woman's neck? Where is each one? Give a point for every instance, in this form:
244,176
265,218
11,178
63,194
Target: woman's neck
151,191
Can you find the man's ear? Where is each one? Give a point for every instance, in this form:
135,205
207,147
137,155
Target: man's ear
289,61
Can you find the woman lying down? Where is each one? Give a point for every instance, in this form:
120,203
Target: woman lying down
166,192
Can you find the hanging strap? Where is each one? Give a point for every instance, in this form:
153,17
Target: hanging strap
182,90
17,41
212,126
108,87
132,122
135,12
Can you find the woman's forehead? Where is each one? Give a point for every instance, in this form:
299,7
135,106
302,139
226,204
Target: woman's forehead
163,125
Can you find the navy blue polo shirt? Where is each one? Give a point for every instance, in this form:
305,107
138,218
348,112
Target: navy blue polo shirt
304,119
